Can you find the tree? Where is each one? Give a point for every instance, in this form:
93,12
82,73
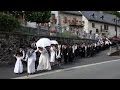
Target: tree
16,14
68,34
114,13
32,16
38,17
8,22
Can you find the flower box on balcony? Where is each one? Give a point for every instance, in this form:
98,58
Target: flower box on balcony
76,24
53,31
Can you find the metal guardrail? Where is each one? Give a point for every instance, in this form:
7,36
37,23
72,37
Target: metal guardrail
33,31
36,32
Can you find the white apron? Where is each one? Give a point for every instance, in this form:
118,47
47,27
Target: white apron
52,55
44,61
58,54
18,65
31,63
73,48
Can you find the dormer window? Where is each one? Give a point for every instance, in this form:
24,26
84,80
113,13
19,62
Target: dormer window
93,15
114,19
102,17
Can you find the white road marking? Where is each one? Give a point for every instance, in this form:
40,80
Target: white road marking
61,70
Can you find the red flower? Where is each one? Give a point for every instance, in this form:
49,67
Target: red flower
53,31
72,21
55,21
69,21
65,20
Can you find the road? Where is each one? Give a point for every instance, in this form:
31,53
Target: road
100,66
106,70
6,72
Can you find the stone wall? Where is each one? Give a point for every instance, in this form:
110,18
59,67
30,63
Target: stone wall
10,42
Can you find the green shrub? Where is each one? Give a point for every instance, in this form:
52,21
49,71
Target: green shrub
8,23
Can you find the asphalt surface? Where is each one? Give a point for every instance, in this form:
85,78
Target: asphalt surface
110,70
7,71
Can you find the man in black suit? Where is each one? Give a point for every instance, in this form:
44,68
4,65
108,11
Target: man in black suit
70,54
88,50
37,59
22,51
92,50
65,53
80,51
83,50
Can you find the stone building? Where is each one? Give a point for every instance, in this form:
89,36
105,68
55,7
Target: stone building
102,24
70,21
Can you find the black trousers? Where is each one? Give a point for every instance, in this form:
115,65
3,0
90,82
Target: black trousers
83,54
24,63
36,64
65,59
70,57
88,53
93,52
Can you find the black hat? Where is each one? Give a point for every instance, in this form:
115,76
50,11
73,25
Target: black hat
29,46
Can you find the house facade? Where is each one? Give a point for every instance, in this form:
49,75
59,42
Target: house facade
70,21
101,24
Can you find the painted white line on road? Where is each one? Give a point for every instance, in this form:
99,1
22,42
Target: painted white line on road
51,72
30,76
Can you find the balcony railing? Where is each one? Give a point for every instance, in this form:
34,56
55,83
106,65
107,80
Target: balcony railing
81,24
32,31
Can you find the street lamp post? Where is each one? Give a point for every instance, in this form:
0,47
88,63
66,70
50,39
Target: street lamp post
116,31
60,26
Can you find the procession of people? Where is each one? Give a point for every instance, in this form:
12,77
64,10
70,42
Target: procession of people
46,53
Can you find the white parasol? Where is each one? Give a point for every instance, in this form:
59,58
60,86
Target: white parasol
54,42
43,42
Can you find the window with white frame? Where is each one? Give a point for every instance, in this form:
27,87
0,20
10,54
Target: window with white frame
106,27
90,31
93,25
101,28
97,31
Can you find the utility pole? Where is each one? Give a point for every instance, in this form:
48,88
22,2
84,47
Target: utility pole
116,26
116,31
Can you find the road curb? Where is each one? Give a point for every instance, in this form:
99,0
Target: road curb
62,70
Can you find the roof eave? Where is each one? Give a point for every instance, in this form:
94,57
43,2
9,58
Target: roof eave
79,14
103,22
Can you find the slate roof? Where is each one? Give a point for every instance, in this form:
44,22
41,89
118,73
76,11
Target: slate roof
72,12
107,18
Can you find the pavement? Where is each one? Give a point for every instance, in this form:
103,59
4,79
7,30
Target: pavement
6,72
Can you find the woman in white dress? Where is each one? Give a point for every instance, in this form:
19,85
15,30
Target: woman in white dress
30,58
18,69
52,54
44,60
58,55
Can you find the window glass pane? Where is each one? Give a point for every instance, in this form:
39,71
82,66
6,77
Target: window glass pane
93,24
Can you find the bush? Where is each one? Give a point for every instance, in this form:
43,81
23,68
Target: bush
38,17
68,34
8,23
